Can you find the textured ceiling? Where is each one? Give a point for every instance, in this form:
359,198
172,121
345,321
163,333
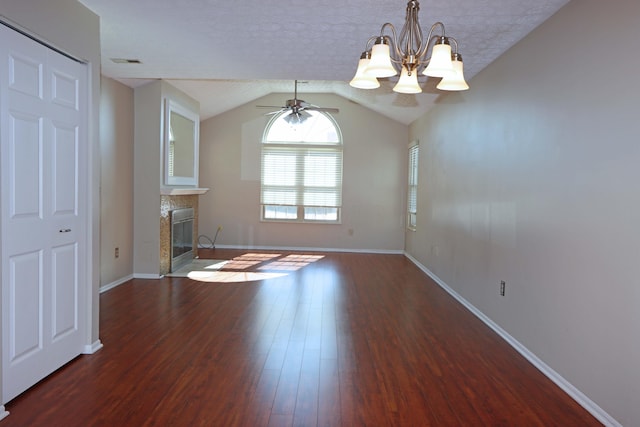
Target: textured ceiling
226,54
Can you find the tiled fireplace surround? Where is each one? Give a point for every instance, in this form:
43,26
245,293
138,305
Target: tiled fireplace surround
167,204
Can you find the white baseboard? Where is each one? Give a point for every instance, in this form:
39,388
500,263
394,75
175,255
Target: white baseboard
561,382
147,276
3,413
92,348
118,282
310,249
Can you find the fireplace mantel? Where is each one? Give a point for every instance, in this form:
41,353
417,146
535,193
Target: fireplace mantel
182,191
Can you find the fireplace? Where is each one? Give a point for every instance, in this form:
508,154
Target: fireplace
181,237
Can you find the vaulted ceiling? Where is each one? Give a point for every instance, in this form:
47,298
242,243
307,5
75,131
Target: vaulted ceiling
228,53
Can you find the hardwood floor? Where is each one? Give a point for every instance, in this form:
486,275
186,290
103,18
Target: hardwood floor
332,340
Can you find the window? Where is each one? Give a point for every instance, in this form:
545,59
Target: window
301,177
412,193
172,153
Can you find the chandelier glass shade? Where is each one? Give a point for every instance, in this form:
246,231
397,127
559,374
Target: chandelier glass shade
364,80
380,64
408,83
410,55
456,80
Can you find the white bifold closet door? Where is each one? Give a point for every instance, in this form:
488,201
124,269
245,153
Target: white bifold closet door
43,131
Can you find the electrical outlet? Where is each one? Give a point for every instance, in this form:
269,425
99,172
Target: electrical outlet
117,253
503,285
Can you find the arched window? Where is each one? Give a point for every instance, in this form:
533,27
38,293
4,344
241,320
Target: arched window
301,178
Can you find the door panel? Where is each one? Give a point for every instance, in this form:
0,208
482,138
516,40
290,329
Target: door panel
25,151
64,90
65,171
25,296
25,74
63,305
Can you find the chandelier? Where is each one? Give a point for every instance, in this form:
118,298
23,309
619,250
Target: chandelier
410,55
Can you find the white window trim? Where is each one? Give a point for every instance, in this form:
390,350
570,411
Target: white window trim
298,149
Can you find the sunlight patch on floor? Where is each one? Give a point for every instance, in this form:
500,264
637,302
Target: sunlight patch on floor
232,276
267,266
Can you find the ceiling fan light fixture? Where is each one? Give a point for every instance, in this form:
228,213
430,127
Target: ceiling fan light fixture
295,118
431,55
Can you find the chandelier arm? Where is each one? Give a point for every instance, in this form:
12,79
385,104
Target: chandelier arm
411,39
393,41
455,44
412,27
421,46
420,40
423,51
370,42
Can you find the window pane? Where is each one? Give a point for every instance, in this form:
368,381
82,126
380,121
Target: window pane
280,212
320,214
317,128
412,220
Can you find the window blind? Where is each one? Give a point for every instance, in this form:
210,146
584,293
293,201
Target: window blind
301,175
412,196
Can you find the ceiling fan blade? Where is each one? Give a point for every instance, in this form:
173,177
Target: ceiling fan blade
326,110
297,106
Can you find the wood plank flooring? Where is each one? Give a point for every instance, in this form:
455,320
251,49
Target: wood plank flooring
280,339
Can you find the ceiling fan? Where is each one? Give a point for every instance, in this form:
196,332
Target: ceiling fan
298,108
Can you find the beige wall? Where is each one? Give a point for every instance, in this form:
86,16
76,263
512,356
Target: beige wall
147,176
116,194
375,150
74,29
532,177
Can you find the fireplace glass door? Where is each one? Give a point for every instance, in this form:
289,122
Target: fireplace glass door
181,237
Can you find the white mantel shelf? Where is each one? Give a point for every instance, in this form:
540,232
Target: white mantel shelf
182,191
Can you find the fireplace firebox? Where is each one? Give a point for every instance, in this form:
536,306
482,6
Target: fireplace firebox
181,237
